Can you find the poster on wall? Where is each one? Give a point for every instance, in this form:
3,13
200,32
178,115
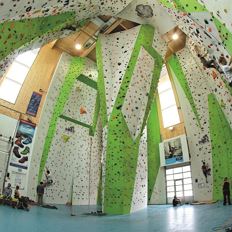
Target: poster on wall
22,145
33,105
19,179
174,151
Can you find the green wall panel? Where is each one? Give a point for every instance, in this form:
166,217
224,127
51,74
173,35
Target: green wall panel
176,70
221,140
153,140
15,34
75,69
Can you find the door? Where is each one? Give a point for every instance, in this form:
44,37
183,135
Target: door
179,189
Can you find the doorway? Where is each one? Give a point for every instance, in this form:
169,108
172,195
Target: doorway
179,183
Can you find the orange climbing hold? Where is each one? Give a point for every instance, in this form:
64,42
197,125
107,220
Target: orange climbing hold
83,110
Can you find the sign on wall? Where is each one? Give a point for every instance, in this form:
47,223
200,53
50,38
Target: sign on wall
174,151
33,105
22,145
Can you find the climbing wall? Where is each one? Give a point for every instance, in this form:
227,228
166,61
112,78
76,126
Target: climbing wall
196,130
26,24
212,30
221,138
153,140
83,9
156,19
220,9
58,135
139,199
72,148
123,134
46,116
120,49
135,102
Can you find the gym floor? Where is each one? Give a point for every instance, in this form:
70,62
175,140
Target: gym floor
159,218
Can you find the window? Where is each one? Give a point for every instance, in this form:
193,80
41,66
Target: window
16,74
168,106
179,183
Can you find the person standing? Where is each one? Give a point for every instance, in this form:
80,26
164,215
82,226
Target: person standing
226,191
40,193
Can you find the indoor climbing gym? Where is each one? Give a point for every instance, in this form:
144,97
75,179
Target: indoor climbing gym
115,115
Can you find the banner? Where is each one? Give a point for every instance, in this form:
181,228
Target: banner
33,105
174,151
22,145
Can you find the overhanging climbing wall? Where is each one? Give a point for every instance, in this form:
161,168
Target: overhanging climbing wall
134,75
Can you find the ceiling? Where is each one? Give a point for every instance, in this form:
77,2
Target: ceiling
87,36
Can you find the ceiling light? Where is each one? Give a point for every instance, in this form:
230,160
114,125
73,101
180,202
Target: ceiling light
175,36
78,46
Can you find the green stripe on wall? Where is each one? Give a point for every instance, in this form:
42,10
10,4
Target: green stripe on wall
75,121
176,70
225,35
84,79
153,140
221,141
101,84
75,69
95,116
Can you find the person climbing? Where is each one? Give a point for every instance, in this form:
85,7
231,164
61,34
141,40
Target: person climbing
226,68
48,176
226,191
206,170
176,201
207,63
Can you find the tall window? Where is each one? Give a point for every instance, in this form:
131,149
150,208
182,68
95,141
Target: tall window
179,183
169,110
13,79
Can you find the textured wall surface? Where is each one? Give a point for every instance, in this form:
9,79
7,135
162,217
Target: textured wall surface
46,116
140,196
221,139
153,155
65,142
199,151
123,136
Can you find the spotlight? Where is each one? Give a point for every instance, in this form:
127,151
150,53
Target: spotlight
78,46
175,36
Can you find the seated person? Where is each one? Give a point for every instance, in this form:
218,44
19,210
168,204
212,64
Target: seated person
23,203
7,192
16,192
226,68
176,201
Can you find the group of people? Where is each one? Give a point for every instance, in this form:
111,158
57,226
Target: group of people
21,201
17,201
222,65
